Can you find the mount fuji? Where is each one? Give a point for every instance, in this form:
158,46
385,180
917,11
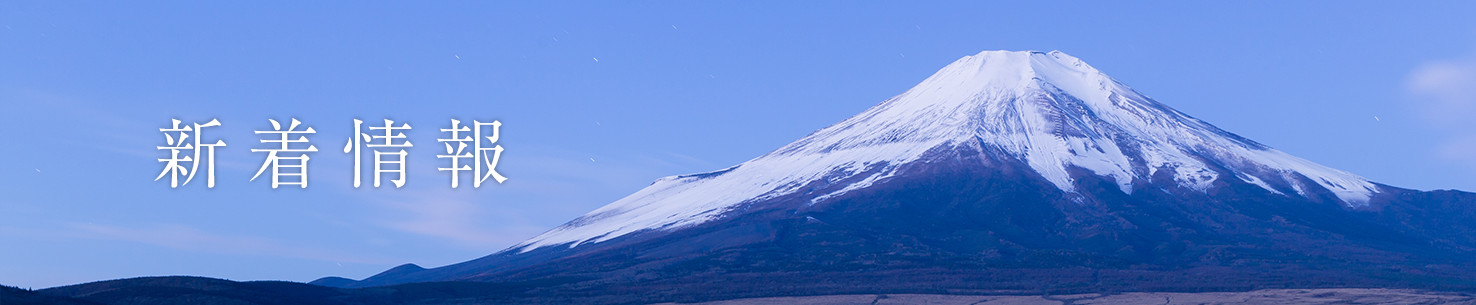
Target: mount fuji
1004,171
1050,111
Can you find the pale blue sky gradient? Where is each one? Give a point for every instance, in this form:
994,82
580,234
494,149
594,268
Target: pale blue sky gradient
677,87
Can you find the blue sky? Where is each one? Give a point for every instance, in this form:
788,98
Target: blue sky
598,100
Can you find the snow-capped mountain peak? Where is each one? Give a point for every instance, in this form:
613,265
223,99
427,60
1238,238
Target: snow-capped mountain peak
1048,110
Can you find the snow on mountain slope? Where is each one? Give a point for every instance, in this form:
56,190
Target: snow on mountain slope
1047,109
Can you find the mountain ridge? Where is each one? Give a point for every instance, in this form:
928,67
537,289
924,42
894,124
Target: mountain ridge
1029,165
1009,99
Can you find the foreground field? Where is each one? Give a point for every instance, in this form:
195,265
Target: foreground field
1271,296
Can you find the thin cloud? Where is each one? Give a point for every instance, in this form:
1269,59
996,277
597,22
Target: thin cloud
455,216
192,239
1445,93
1446,89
